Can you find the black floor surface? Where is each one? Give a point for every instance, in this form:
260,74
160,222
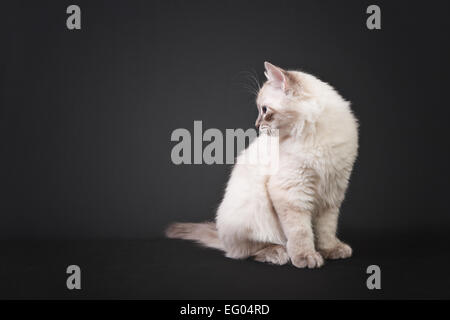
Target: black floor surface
413,265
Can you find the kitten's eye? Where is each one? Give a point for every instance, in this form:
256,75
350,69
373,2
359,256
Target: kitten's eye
264,109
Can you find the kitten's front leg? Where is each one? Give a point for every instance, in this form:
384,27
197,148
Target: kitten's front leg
300,244
295,219
325,225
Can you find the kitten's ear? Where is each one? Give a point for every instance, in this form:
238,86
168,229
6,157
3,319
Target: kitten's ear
275,75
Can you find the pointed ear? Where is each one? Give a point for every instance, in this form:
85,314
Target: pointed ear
275,75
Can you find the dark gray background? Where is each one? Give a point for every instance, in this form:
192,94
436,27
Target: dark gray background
86,119
87,115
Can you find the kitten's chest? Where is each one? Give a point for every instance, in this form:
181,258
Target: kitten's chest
333,170
328,168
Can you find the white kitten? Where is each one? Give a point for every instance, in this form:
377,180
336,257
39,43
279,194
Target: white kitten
290,214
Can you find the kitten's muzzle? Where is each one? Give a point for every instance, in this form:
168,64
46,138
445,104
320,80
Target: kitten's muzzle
258,121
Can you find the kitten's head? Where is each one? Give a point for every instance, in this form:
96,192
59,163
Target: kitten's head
287,100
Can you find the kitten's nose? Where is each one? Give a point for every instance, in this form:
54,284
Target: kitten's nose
258,121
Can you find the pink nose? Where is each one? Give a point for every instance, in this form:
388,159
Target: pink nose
258,121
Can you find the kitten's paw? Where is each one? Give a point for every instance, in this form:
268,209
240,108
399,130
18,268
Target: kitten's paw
312,259
340,251
275,254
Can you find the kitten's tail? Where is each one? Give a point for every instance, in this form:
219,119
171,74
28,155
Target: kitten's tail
204,233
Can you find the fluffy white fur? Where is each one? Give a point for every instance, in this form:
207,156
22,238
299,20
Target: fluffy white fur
290,214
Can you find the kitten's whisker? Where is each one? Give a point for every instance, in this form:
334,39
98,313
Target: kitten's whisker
252,81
